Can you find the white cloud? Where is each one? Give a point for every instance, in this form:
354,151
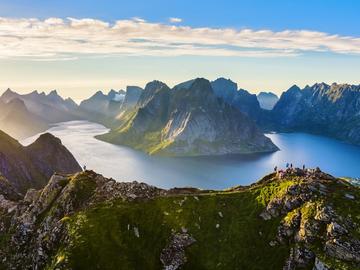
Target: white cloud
175,20
65,39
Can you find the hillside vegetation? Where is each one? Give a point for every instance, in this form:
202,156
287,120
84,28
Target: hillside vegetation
295,220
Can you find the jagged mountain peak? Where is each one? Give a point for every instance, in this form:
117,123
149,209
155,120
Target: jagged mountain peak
294,88
47,138
112,94
154,85
8,95
53,93
183,85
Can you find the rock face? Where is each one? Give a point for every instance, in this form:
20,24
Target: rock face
132,96
31,166
241,99
331,110
267,100
173,256
310,218
188,121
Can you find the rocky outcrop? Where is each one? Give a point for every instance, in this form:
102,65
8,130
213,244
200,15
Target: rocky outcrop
188,122
173,256
310,219
38,225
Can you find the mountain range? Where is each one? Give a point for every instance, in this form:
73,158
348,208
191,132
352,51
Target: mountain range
330,110
188,120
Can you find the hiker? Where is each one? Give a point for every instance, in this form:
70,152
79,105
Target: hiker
84,167
275,169
287,165
304,167
291,165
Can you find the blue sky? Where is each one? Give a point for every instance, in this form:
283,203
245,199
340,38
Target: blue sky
326,51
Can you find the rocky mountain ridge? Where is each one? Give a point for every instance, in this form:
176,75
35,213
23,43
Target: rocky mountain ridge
330,110
188,121
295,219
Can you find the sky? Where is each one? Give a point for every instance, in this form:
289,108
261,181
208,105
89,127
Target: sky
79,47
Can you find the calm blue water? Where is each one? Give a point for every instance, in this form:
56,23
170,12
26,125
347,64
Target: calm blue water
125,164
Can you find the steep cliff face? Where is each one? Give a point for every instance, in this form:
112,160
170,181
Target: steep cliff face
188,121
132,96
31,166
291,220
241,99
331,110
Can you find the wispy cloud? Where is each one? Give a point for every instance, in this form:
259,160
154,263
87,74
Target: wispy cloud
175,20
64,39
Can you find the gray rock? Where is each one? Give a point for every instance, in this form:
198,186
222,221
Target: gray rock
319,265
173,256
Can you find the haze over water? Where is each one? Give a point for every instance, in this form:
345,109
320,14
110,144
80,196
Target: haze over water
125,164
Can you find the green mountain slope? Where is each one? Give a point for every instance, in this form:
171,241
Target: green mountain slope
295,220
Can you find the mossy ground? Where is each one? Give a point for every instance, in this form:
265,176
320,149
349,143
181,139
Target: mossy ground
226,225
103,237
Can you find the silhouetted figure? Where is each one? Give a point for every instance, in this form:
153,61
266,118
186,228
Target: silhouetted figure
84,167
275,169
304,167
291,165
287,165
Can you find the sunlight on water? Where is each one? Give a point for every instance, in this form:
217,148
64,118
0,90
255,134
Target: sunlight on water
125,164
